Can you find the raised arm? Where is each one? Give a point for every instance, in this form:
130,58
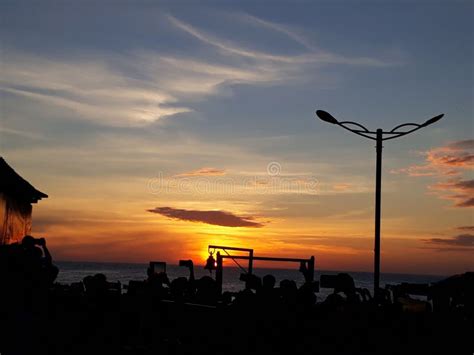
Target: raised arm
47,256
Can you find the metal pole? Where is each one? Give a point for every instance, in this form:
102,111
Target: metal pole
378,190
219,270
250,262
311,268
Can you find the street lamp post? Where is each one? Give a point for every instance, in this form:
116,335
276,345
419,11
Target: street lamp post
379,136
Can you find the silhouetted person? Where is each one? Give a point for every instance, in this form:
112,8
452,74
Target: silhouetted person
346,285
268,282
306,295
179,289
252,282
345,292
456,291
37,256
206,292
191,285
306,272
288,292
267,295
156,282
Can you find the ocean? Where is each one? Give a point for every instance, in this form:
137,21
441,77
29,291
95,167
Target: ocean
124,272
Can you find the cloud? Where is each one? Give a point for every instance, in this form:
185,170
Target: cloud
467,144
466,203
448,163
196,78
297,37
100,88
458,185
447,160
342,187
416,170
460,191
21,133
459,241
229,47
312,57
203,172
218,218
92,89
140,87
466,228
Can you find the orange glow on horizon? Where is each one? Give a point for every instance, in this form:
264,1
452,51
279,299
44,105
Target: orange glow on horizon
126,233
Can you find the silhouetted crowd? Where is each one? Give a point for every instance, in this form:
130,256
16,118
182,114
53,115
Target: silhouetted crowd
188,315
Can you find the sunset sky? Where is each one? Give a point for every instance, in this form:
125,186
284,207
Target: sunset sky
159,128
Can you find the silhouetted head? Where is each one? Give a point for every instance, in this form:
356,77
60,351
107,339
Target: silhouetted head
288,285
30,249
206,282
345,283
88,281
100,279
178,287
253,282
206,290
28,241
269,281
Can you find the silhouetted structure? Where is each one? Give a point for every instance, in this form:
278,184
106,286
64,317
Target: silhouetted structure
378,136
306,265
16,197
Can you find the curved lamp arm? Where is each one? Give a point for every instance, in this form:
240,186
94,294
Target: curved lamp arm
395,133
364,132
364,129
327,117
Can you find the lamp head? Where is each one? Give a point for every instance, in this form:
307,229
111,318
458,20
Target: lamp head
325,116
433,120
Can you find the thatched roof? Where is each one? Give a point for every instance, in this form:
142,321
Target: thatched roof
15,186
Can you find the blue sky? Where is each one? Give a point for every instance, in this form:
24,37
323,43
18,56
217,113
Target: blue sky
120,92
400,60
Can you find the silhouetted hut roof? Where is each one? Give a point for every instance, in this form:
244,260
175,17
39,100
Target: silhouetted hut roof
15,186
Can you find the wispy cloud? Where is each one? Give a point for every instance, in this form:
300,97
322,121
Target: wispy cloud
461,191
310,57
87,89
466,203
466,228
99,90
448,163
20,133
447,160
203,172
459,242
219,218
228,47
286,30
342,187
458,154
143,86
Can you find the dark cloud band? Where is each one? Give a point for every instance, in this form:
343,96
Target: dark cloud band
218,218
